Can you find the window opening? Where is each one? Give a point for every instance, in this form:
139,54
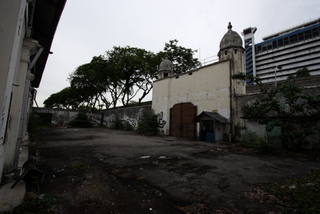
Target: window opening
301,36
274,44
308,34
293,39
315,32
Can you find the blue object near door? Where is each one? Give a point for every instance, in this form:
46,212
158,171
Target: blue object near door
211,137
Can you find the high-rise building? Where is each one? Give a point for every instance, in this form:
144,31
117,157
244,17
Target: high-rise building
283,53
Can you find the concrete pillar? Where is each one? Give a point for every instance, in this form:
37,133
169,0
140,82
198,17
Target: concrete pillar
18,105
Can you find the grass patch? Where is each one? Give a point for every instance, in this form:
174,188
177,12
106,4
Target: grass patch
81,167
296,195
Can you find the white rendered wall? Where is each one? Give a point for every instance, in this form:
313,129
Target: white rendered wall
12,32
207,88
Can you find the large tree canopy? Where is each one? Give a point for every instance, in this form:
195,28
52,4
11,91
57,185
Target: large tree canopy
67,98
181,57
122,74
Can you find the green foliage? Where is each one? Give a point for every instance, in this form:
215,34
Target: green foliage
296,195
128,126
181,57
121,73
148,122
117,123
67,98
81,120
248,77
287,107
261,145
302,72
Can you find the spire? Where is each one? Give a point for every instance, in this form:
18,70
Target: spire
230,26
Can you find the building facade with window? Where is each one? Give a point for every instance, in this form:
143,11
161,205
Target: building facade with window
284,53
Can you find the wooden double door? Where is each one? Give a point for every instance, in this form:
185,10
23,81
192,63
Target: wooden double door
181,116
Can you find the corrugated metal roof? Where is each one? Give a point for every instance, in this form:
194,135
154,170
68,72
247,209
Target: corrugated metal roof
211,115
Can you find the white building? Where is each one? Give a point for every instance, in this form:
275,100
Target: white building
26,32
205,95
283,53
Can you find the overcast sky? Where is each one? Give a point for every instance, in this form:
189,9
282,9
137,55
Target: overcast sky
90,28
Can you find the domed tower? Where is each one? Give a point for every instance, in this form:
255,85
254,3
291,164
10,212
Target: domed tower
230,44
231,49
165,69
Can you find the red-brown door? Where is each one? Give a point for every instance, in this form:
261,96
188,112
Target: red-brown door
181,116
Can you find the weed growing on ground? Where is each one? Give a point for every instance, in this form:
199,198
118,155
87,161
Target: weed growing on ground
261,145
80,168
296,195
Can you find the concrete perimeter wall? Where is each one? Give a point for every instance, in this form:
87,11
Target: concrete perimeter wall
61,117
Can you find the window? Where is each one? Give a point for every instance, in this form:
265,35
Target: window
264,48
315,32
301,36
274,44
280,42
269,46
258,49
293,39
286,41
308,34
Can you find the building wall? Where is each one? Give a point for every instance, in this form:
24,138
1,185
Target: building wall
12,32
20,100
292,49
62,117
208,88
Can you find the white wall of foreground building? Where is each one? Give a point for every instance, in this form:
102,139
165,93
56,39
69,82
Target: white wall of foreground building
208,88
12,25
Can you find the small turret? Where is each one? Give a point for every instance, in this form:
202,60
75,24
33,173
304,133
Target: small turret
165,69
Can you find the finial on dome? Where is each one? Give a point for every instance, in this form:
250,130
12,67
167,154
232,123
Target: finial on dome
229,26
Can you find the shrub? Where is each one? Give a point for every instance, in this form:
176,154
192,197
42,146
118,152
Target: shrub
81,120
261,145
148,122
117,123
128,126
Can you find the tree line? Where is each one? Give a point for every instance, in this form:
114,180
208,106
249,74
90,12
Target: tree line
118,76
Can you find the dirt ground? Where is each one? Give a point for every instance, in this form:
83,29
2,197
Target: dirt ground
102,170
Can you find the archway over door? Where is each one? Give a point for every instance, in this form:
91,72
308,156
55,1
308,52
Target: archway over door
181,116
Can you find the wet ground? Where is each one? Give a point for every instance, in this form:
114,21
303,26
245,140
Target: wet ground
101,170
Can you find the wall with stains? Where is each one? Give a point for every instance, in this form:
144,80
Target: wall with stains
208,88
61,117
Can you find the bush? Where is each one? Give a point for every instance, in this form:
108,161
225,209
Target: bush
261,145
81,120
128,126
148,122
117,123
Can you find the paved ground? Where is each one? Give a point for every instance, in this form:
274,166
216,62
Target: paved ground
109,171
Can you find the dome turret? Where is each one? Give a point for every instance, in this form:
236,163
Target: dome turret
230,39
165,68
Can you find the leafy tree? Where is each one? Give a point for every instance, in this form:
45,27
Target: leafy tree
67,98
287,107
129,67
120,74
302,72
148,122
87,83
181,57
